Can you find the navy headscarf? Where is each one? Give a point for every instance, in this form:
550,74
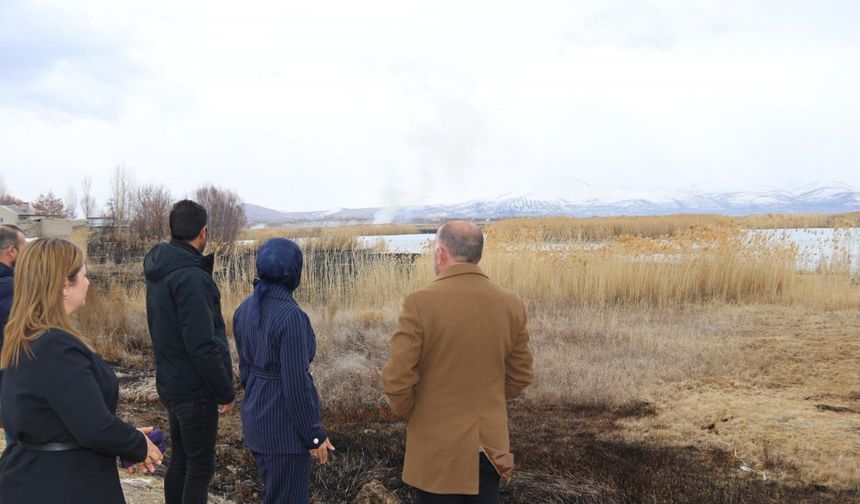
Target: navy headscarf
279,262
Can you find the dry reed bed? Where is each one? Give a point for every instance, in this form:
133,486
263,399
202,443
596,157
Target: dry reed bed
696,266
262,234
568,229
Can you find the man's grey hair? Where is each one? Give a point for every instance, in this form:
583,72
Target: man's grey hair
9,236
463,240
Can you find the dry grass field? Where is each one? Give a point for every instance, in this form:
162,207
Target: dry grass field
669,353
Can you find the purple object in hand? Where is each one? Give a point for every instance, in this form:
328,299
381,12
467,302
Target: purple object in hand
157,438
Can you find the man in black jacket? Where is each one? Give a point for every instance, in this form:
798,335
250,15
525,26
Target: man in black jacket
12,243
194,374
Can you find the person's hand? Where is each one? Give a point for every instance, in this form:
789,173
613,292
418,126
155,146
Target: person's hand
226,408
321,453
153,458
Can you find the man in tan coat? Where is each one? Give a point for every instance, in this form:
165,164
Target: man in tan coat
459,353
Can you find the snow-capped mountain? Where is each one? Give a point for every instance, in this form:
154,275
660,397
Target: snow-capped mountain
825,199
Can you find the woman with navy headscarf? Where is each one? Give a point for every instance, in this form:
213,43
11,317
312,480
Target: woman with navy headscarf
276,344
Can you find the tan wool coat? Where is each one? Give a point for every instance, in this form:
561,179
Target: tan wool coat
459,353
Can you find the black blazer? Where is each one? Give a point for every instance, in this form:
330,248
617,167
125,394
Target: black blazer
65,393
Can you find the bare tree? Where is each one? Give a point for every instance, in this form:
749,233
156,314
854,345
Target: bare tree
119,206
122,188
226,215
5,197
71,203
88,201
150,210
49,205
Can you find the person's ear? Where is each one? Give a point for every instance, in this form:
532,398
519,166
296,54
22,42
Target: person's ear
443,255
204,231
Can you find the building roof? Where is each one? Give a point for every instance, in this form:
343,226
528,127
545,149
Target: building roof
19,209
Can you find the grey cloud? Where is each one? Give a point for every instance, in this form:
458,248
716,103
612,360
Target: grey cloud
55,64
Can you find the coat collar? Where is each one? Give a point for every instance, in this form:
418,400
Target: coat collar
186,246
5,271
207,261
461,269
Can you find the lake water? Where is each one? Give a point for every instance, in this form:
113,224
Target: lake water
405,243
816,248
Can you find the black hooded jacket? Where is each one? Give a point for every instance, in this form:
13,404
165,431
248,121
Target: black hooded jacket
183,309
6,287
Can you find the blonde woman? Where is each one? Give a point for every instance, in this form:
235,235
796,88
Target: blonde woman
59,397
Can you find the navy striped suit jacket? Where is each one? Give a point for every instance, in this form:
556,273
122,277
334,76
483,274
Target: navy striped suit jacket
281,410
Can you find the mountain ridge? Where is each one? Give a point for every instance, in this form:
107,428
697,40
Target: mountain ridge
823,199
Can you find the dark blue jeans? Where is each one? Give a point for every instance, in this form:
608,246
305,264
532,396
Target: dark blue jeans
193,431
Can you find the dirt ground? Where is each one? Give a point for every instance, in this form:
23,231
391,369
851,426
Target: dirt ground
789,408
150,490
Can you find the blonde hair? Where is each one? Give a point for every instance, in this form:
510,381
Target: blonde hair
37,304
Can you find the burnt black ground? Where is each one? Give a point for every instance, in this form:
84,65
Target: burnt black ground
565,453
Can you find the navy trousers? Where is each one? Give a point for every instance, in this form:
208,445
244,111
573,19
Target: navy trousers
488,489
286,477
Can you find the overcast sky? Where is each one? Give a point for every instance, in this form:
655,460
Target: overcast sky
317,105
